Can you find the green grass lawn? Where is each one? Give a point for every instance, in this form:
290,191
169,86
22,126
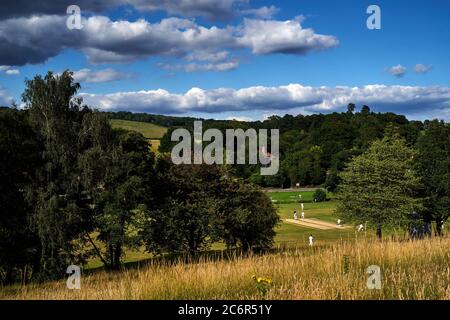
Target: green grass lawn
293,235
293,196
148,130
322,210
288,234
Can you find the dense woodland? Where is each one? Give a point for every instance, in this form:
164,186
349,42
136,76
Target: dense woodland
314,148
73,188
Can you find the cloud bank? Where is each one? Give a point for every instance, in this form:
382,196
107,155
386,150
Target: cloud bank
402,99
210,9
38,38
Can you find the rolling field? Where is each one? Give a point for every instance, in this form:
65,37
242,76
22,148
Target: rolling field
148,130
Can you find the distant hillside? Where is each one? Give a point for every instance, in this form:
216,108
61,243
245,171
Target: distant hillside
148,130
164,121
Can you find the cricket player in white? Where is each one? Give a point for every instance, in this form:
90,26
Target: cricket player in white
303,215
311,240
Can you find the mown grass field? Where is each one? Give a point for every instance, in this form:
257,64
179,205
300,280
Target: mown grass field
292,235
148,130
291,196
409,270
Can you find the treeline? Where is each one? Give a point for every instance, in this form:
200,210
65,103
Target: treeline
73,188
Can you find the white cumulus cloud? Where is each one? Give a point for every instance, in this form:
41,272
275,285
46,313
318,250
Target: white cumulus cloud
99,76
12,72
421,68
288,37
264,12
397,71
9,70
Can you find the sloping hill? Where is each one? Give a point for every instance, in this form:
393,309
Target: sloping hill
148,130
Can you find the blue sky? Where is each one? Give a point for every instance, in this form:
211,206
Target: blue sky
235,59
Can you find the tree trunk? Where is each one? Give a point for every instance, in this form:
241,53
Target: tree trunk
9,276
36,263
117,255
246,246
379,234
110,265
97,251
438,231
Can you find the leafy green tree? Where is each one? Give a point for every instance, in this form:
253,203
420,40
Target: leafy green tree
19,152
116,172
196,205
379,186
92,180
247,217
433,165
183,216
365,109
54,195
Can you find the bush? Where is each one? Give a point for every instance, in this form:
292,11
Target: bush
319,195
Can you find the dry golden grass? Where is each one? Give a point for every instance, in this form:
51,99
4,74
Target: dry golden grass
410,270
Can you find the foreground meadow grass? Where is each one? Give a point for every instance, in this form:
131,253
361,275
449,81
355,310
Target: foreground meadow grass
410,270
